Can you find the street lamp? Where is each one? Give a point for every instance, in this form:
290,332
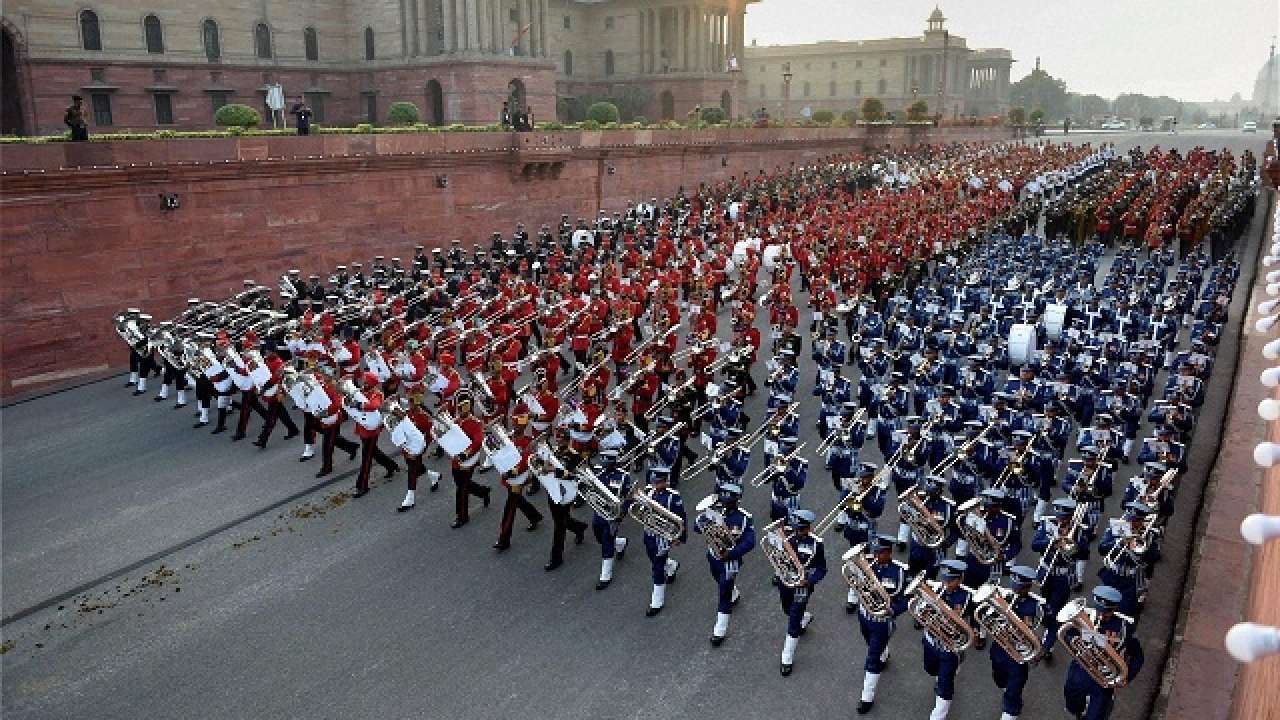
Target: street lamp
786,94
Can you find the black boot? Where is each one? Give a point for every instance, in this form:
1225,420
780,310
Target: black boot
222,422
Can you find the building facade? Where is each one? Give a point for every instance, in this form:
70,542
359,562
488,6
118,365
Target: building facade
142,64
936,67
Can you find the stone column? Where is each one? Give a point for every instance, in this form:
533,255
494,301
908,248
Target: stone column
446,12
680,32
522,18
700,40
535,32
641,43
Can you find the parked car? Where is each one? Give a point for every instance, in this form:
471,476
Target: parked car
1250,126
1114,125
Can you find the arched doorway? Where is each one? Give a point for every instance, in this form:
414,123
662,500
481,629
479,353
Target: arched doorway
726,104
435,103
515,96
12,114
668,105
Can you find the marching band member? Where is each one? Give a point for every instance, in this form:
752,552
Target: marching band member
1060,539
663,567
561,492
274,399
809,551
514,481
172,374
248,393
330,423
878,629
612,547
142,356
464,463
938,661
787,483
1085,698
367,412
412,439
999,526
1011,673
724,563
1129,547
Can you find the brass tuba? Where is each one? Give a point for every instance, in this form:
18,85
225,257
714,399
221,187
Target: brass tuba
973,528
943,623
861,577
786,564
599,496
1091,648
711,522
928,531
993,613
657,519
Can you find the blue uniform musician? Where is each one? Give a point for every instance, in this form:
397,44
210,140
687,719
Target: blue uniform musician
1010,670
881,589
1088,482
989,537
808,550
788,481
730,533
837,403
732,467
1163,448
1152,489
857,520
658,547
725,415
1129,547
605,529
967,472
1060,539
941,657
1106,633
783,381
930,522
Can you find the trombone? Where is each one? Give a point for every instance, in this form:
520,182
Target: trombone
844,429
961,452
647,447
778,466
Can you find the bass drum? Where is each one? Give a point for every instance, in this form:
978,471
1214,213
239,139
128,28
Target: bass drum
1022,343
1055,317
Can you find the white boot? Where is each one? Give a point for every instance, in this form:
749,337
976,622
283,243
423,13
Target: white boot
309,451
133,378
204,414
852,597
182,397
1042,507
1080,568
142,385
904,532
434,477
658,598
869,683
722,625
1007,716
408,500
806,620
164,392
940,709
789,650
962,548
606,572
619,546
671,567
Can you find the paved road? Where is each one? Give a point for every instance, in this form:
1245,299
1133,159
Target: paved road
247,591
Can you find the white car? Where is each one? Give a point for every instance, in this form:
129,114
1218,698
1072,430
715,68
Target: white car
1250,126
1114,125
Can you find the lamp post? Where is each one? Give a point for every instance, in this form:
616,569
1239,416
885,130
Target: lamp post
786,94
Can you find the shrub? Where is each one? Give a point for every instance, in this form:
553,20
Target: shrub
237,116
917,111
403,113
823,117
589,124
713,115
1037,116
1017,115
640,120
602,113
872,110
364,128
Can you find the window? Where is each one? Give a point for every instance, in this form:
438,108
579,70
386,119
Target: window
513,15
98,75
831,88
212,44
608,62
310,44
568,62
262,41
90,38
101,108
608,22
568,23
883,86
806,89
217,100
316,101
153,34
371,108
857,88
369,53
164,108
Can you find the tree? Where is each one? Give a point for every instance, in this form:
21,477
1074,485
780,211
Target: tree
402,113
1017,115
872,110
235,115
603,112
713,115
1041,90
1037,116
918,111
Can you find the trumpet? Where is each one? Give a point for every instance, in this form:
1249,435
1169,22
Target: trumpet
861,578
1090,648
939,619
777,467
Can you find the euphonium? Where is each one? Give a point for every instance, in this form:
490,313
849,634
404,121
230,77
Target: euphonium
655,518
973,528
711,522
943,623
392,413
860,576
928,531
993,613
599,496
1090,648
786,564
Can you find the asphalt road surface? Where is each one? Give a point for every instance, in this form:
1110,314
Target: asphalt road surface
152,570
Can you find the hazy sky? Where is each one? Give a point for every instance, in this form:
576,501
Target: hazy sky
1188,49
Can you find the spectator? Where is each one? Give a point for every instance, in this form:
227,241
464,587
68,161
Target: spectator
302,113
75,120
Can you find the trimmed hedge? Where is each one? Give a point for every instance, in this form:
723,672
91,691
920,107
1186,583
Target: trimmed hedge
235,115
603,113
403,113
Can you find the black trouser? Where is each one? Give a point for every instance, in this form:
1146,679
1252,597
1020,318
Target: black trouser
415,467
515,501
370,453
464,487
249,401
562,520
205,392
309,427
333,436
142,364
175,376
276,411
